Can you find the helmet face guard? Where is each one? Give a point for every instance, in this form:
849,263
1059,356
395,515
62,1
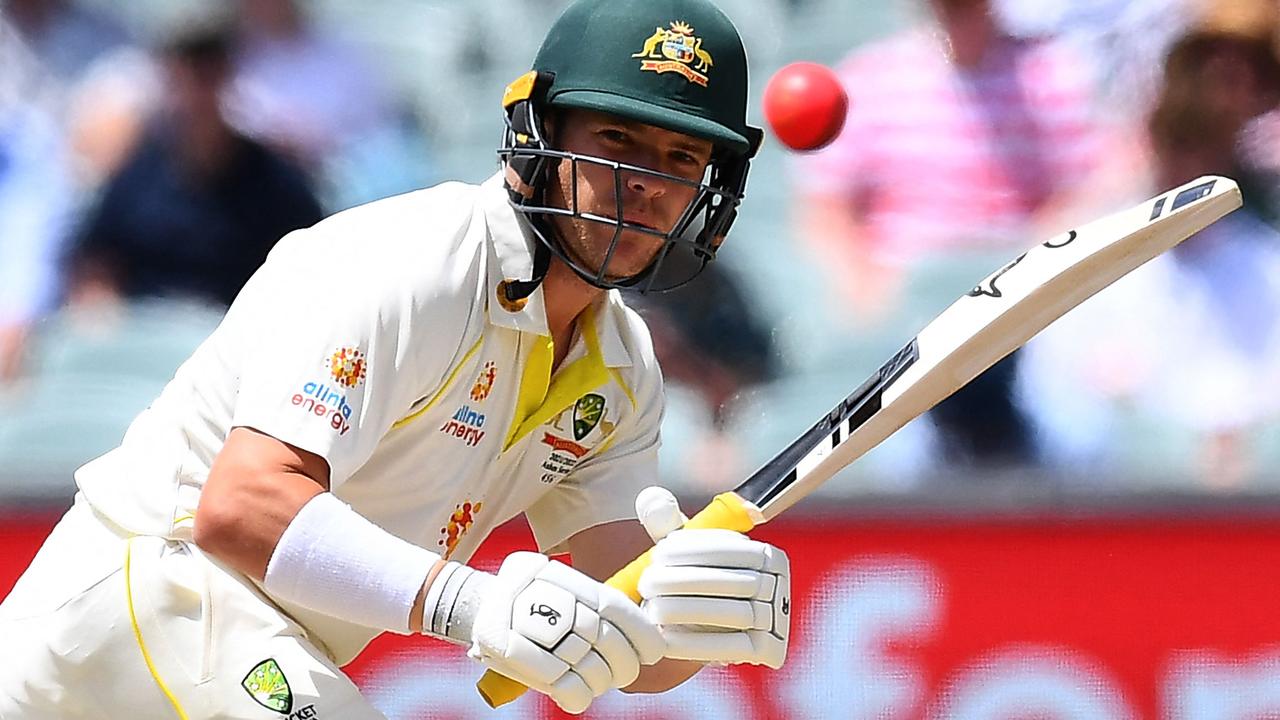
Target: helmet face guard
531,167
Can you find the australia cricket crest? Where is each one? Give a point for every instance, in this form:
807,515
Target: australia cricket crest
676,49
586,415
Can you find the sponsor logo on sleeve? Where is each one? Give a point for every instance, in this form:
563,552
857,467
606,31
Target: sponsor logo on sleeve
328,398
463,517
347,366
325,401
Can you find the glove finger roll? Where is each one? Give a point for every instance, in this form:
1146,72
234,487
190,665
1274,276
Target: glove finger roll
586,624
531,661
659,512
623,663
711,582
627,617
711,612
595,671
726,647
711,548
571,693
572,649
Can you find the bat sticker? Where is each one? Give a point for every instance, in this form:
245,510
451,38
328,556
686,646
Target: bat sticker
1190,195
1071,237
1157,209
987,288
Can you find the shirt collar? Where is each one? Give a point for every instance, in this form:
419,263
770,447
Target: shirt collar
512,245
511,258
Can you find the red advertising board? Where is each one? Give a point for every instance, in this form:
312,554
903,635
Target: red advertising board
1043,619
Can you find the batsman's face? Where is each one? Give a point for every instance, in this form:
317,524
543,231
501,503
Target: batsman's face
647,200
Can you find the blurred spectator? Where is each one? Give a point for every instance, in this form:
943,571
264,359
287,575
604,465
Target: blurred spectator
960,139
318,99
298,89
107,114
35,203
1260,150
1219,78
1190,344
91,78
1122,41
709,339
1260,139
64,36
708,336
197,206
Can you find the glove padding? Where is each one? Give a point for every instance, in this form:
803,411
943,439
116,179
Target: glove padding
560,632
717,595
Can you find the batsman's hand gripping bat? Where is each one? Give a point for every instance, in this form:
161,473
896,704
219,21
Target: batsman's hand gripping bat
995,318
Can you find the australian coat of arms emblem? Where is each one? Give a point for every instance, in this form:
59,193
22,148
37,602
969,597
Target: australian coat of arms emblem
676,49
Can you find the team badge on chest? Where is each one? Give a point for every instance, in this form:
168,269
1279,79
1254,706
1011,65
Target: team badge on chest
586,414
584,417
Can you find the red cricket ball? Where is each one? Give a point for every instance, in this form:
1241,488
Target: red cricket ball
805,105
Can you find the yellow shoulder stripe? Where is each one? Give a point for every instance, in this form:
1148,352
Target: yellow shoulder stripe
439,393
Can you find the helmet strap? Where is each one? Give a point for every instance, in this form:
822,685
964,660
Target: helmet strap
525,172
517,290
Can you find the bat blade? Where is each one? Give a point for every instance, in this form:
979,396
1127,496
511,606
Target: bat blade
997,317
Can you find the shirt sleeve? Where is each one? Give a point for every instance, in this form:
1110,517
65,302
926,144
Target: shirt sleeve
603,488
339,346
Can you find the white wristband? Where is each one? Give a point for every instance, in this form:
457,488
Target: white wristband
452,601
333,560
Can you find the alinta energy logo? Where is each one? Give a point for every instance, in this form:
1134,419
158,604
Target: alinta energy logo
466,425
484,384
328,398
324,401
464,515
347,366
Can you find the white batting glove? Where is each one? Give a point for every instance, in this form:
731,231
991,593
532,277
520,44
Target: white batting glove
717,595
546,625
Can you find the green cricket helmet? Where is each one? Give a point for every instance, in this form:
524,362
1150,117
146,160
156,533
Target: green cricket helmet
674,64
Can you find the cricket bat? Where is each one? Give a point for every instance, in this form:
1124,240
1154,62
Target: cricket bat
992,320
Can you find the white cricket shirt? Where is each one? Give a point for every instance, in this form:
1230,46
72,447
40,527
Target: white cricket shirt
376,340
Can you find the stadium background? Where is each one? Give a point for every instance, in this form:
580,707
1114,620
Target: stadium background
1137,585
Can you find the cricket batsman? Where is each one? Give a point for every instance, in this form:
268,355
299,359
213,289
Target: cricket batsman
399,380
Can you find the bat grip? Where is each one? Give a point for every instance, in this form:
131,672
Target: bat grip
726,511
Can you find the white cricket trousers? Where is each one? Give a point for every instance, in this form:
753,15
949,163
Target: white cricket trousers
103,625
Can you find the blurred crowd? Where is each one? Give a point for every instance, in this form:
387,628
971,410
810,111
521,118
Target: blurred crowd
151,156
970,139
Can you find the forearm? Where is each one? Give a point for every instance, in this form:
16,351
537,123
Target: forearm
241,522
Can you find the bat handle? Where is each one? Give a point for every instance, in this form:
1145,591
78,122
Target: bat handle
726,511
